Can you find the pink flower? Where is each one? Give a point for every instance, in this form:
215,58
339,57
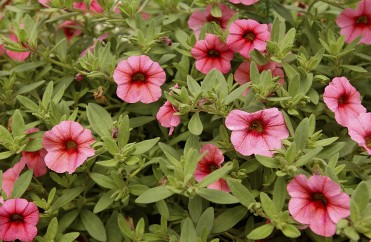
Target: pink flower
139,79
242,74
10,176
35,160
18,220
343,99
244,2
356,22
199,18
359,130
318,202
94,6
68,146
17,56
212,53
167,118
45,3
257,133
91,48
70,29
246,35
210,162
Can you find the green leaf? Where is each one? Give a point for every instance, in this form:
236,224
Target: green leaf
68,196
261,232
229,218
279,193
205,223
241,192
103,180
111,145
28,103
361,196
28,66
99,119
217,196
268,161
268,206
308,157
104,201
5,154
29,88
215,80
290,231
93,225
5,136
18,126
237,93
145,146
163,209
123,132
21,184
354,68
215,175
154,194
188,231
195,125
193,87
69,237
302,134
67,220
47,96
124,227
52,229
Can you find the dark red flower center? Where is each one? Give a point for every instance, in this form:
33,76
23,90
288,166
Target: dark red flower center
16,218
211,18
368,141
320,198
256,126
362,20
69,31
250,36
213,53
213,167
139,77
343,99
71,145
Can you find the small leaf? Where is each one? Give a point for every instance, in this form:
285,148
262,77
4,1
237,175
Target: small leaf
188,231
145,146
21,184
68,196
229,218
154,194
195,125
18,126
52,229
241,192
290,231
268,206
217,196
104,202
205,223
99,119
93,225
261,232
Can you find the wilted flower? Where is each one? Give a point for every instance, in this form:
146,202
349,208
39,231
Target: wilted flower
139,79
18,220
212,53
257,133
359,130
356,22
68,146
210,162
318,202
200,18
246,35
343,99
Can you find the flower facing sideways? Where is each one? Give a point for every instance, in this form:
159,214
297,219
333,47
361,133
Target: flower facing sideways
10,176
359,130
68,146
210,162
343,99
70,29
318,202
166,116
356,22
212,53
139,79
18,220
257,133
246,35
17,56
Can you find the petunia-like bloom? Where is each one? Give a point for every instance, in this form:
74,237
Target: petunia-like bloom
18,220
70,29
94,6
359,130
246,35
318,202
166,116
10,176
356,22
343,99
199,18
257,133
212,53
35,160
17,56
139,79
45,3
244,2
242,74
210,162
68,146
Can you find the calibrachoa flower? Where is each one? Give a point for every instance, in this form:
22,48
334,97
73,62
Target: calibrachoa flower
94,6
45,3
210,162
17,56
212,53
166,116
343,99
68,146
356,22
359,130
139,79
199,18
18,220
244,2
10,176
318,202
35,160
70,29
242,74
246,35
257,133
